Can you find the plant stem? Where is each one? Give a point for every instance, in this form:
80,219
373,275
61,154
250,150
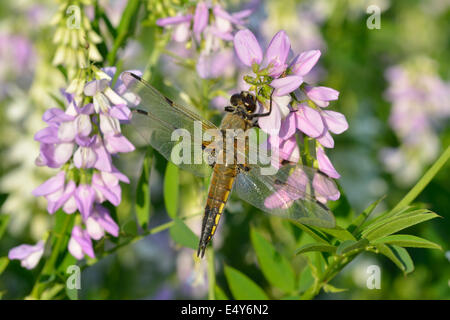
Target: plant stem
211,275
424,181
51,261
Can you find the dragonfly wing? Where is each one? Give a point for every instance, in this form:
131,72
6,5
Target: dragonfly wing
288,193
161,123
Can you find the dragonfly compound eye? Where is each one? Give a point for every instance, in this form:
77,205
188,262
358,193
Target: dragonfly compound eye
236,99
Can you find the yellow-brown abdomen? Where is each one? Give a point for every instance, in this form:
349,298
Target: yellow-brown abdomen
219,190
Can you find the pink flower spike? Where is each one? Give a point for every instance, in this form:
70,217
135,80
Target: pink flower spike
309,121
335,121
286,85
325,164
29,255
200,18
321,95
304,62
247,48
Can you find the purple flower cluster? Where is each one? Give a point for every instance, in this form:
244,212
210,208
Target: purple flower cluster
81,142
297,108
209,27
420,101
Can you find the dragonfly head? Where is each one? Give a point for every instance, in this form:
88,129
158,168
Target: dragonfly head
244,101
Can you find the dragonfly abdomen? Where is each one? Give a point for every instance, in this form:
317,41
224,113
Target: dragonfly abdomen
219,190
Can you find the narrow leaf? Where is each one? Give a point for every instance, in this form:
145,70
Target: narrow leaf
182,235
220,294
404,257
274,266
4,220
4,261
354,227
350,245
339,233
399,223
171,185
242,287
397,255
405,240
316,247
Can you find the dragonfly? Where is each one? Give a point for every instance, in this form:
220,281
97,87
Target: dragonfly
288,192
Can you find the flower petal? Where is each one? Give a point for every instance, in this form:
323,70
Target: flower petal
309,121
304,62
326,140
321,95
51,185
247,48
335,121
288,126
200,18
325,188
286,85
325,164
173,20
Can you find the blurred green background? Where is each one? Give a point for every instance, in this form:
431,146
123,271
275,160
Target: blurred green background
413,37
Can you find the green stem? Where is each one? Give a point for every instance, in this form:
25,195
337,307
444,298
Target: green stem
49,266
211,275
124,29
423,182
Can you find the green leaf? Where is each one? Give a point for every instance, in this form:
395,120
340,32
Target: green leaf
399,223
220,294
316,247
306,279
130,228
274,266
4,220
4,261
357,223
51,292
350,245
332,289
398,255
143,194
315,234
405,240
242,287
339,233
182,235
171,185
